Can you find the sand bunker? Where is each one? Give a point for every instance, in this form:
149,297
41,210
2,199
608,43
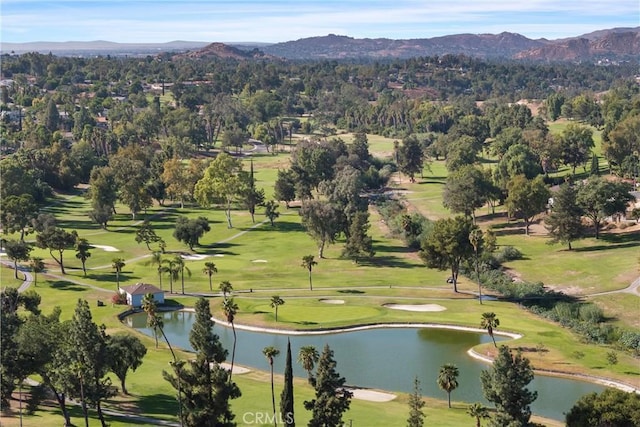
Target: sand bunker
371,395
218,255
332,301
259,260
236,369
416,307
106,248
194,257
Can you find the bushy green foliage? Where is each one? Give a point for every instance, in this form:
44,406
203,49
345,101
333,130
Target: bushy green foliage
611,408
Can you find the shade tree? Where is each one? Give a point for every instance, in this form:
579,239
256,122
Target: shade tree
322,220
56,240
82,247
464,190
577,143
447,245
600,198
527,198
223,182
271,211
17,214
190,230
16,251
125,353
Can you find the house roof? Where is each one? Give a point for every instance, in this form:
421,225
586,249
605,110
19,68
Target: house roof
141,289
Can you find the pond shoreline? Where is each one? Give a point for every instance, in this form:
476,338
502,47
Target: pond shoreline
471,352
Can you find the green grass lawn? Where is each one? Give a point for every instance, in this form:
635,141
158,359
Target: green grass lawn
261,261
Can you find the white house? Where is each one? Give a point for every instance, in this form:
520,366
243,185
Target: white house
135,293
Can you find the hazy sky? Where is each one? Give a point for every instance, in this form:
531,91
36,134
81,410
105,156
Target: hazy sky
280,20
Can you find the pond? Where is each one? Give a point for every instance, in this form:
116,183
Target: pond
384,358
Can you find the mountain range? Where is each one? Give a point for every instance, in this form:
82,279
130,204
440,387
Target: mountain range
610,44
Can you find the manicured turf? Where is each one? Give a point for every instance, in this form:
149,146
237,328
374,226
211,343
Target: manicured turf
266,260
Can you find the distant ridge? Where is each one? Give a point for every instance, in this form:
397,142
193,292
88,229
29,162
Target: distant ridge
98,46
609,44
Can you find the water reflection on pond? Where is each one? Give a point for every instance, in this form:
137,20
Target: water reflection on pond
387,358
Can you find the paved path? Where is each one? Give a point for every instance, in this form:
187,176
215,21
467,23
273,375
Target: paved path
633,288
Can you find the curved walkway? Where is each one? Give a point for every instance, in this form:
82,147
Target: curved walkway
633,288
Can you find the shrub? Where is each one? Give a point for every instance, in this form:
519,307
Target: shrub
508,253
630,340
591,313
119,298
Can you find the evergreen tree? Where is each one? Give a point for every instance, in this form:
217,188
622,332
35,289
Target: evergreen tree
202,383
416,415
332,400
595,165
564,224
86,352
359,244
286,398
505,386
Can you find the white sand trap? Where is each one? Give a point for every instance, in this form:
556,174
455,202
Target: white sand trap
371,395
236,369
218,255
106,248
332,301
194,257
259,260
416,307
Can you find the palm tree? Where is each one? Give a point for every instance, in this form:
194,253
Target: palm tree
475,237
37,266
478,411
270,353
156,259
490,322
448,379
276,301
174,273
209,269
181,266
117,265
307,357
226,287
82,253
308,263
230,309
154,321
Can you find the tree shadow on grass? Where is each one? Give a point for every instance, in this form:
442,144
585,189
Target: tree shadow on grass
606,247
282,226
67,286
351,291
386,261
158,404
216,249
111,277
